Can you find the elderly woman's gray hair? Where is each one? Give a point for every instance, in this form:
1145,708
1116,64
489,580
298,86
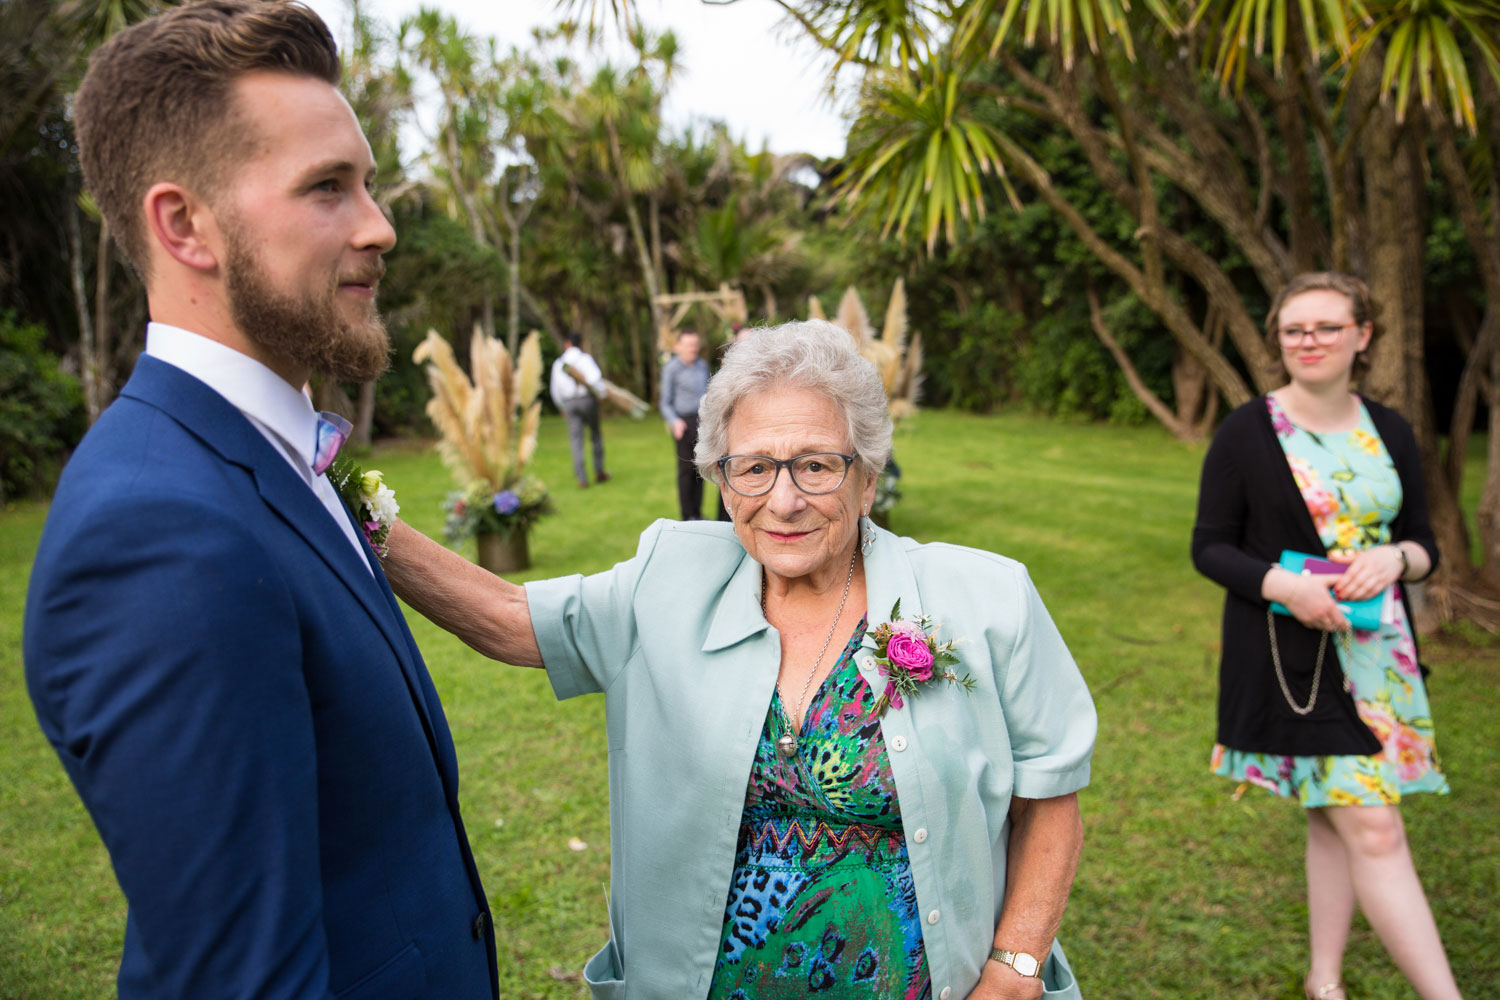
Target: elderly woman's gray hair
814,355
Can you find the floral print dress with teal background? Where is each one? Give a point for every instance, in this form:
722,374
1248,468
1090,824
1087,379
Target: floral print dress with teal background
1353,493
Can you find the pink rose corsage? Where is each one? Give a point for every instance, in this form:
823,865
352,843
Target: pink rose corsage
909,654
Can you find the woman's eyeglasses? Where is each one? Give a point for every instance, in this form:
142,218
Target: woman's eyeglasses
1324,334
816,473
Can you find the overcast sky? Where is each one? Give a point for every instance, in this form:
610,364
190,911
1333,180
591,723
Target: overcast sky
738,63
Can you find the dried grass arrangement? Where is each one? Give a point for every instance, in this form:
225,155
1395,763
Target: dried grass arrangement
489,428
897,357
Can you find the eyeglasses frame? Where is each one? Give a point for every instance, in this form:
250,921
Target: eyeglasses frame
787,465
1302,333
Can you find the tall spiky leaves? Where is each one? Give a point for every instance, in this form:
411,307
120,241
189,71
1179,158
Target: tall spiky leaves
1430,45
918,152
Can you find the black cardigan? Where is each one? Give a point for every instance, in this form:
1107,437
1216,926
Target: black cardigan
1249,510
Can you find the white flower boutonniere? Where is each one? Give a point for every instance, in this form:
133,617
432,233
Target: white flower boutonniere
368,498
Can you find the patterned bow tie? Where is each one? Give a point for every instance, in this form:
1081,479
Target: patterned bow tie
333,431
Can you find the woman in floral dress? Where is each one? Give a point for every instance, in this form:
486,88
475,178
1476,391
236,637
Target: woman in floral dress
1311,708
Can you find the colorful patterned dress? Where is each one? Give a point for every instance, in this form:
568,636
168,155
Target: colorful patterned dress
1353,493
822,900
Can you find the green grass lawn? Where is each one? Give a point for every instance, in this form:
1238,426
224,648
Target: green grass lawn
1183,892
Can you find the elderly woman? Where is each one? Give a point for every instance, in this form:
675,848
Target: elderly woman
805,796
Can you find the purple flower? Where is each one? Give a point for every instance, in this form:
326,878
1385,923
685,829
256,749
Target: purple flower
911,653
909,627
506,502
1279,421
892,695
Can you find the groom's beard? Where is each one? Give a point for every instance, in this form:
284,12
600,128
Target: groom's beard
310,331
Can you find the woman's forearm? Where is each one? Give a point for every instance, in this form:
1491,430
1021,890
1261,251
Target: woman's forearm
1418,562
488,613
1046,839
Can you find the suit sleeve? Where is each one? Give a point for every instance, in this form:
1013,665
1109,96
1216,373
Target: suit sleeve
164,659
1223,504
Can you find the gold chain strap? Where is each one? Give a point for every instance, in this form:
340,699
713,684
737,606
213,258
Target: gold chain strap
1286,692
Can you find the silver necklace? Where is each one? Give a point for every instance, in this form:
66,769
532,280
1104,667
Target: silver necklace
787,744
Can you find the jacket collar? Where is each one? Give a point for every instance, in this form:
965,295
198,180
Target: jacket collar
737,615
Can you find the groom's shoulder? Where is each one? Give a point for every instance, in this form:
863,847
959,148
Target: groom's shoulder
137,471
136,451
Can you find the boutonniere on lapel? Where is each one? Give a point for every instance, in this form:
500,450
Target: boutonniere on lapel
368,498
910,655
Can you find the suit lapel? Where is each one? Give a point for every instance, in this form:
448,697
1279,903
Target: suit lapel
224,429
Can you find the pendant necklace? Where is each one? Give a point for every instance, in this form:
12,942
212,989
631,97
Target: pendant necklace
787,744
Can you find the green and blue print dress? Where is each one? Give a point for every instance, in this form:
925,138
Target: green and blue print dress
822,900
1353,493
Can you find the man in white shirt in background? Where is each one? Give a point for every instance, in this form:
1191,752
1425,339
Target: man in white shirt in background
577,383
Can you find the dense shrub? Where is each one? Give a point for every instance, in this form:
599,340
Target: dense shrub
41,411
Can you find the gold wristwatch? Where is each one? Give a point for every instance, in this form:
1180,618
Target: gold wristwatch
1025,964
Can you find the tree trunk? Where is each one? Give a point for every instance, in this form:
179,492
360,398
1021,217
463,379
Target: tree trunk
1487,514
1196,403
643,257
104,367
88,355
513,299
1181,430
364,415
1386,212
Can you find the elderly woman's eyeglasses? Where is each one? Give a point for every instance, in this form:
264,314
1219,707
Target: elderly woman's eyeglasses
755,475
1324,334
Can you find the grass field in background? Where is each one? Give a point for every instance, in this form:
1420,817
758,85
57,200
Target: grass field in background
1182,893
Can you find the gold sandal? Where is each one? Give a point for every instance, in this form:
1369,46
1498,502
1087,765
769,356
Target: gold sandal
1328,991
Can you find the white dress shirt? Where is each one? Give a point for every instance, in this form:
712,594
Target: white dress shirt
283,415
563,386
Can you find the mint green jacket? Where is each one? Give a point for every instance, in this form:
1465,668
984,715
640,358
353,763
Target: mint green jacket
676,641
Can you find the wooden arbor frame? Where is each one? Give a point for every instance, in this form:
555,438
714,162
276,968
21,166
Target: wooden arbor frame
727,303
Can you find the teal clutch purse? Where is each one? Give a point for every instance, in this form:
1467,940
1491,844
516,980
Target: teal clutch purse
1363,615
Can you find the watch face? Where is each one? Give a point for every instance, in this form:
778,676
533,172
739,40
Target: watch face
1026,965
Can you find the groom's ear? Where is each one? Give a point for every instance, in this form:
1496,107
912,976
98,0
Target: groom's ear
183,227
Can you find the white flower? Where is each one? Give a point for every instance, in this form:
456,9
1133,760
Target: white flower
382,504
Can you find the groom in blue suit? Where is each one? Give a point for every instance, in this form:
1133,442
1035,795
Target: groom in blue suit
210,643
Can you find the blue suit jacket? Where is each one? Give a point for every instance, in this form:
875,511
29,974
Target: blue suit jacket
245,715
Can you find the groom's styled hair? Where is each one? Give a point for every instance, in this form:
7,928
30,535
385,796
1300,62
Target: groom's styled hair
157,101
